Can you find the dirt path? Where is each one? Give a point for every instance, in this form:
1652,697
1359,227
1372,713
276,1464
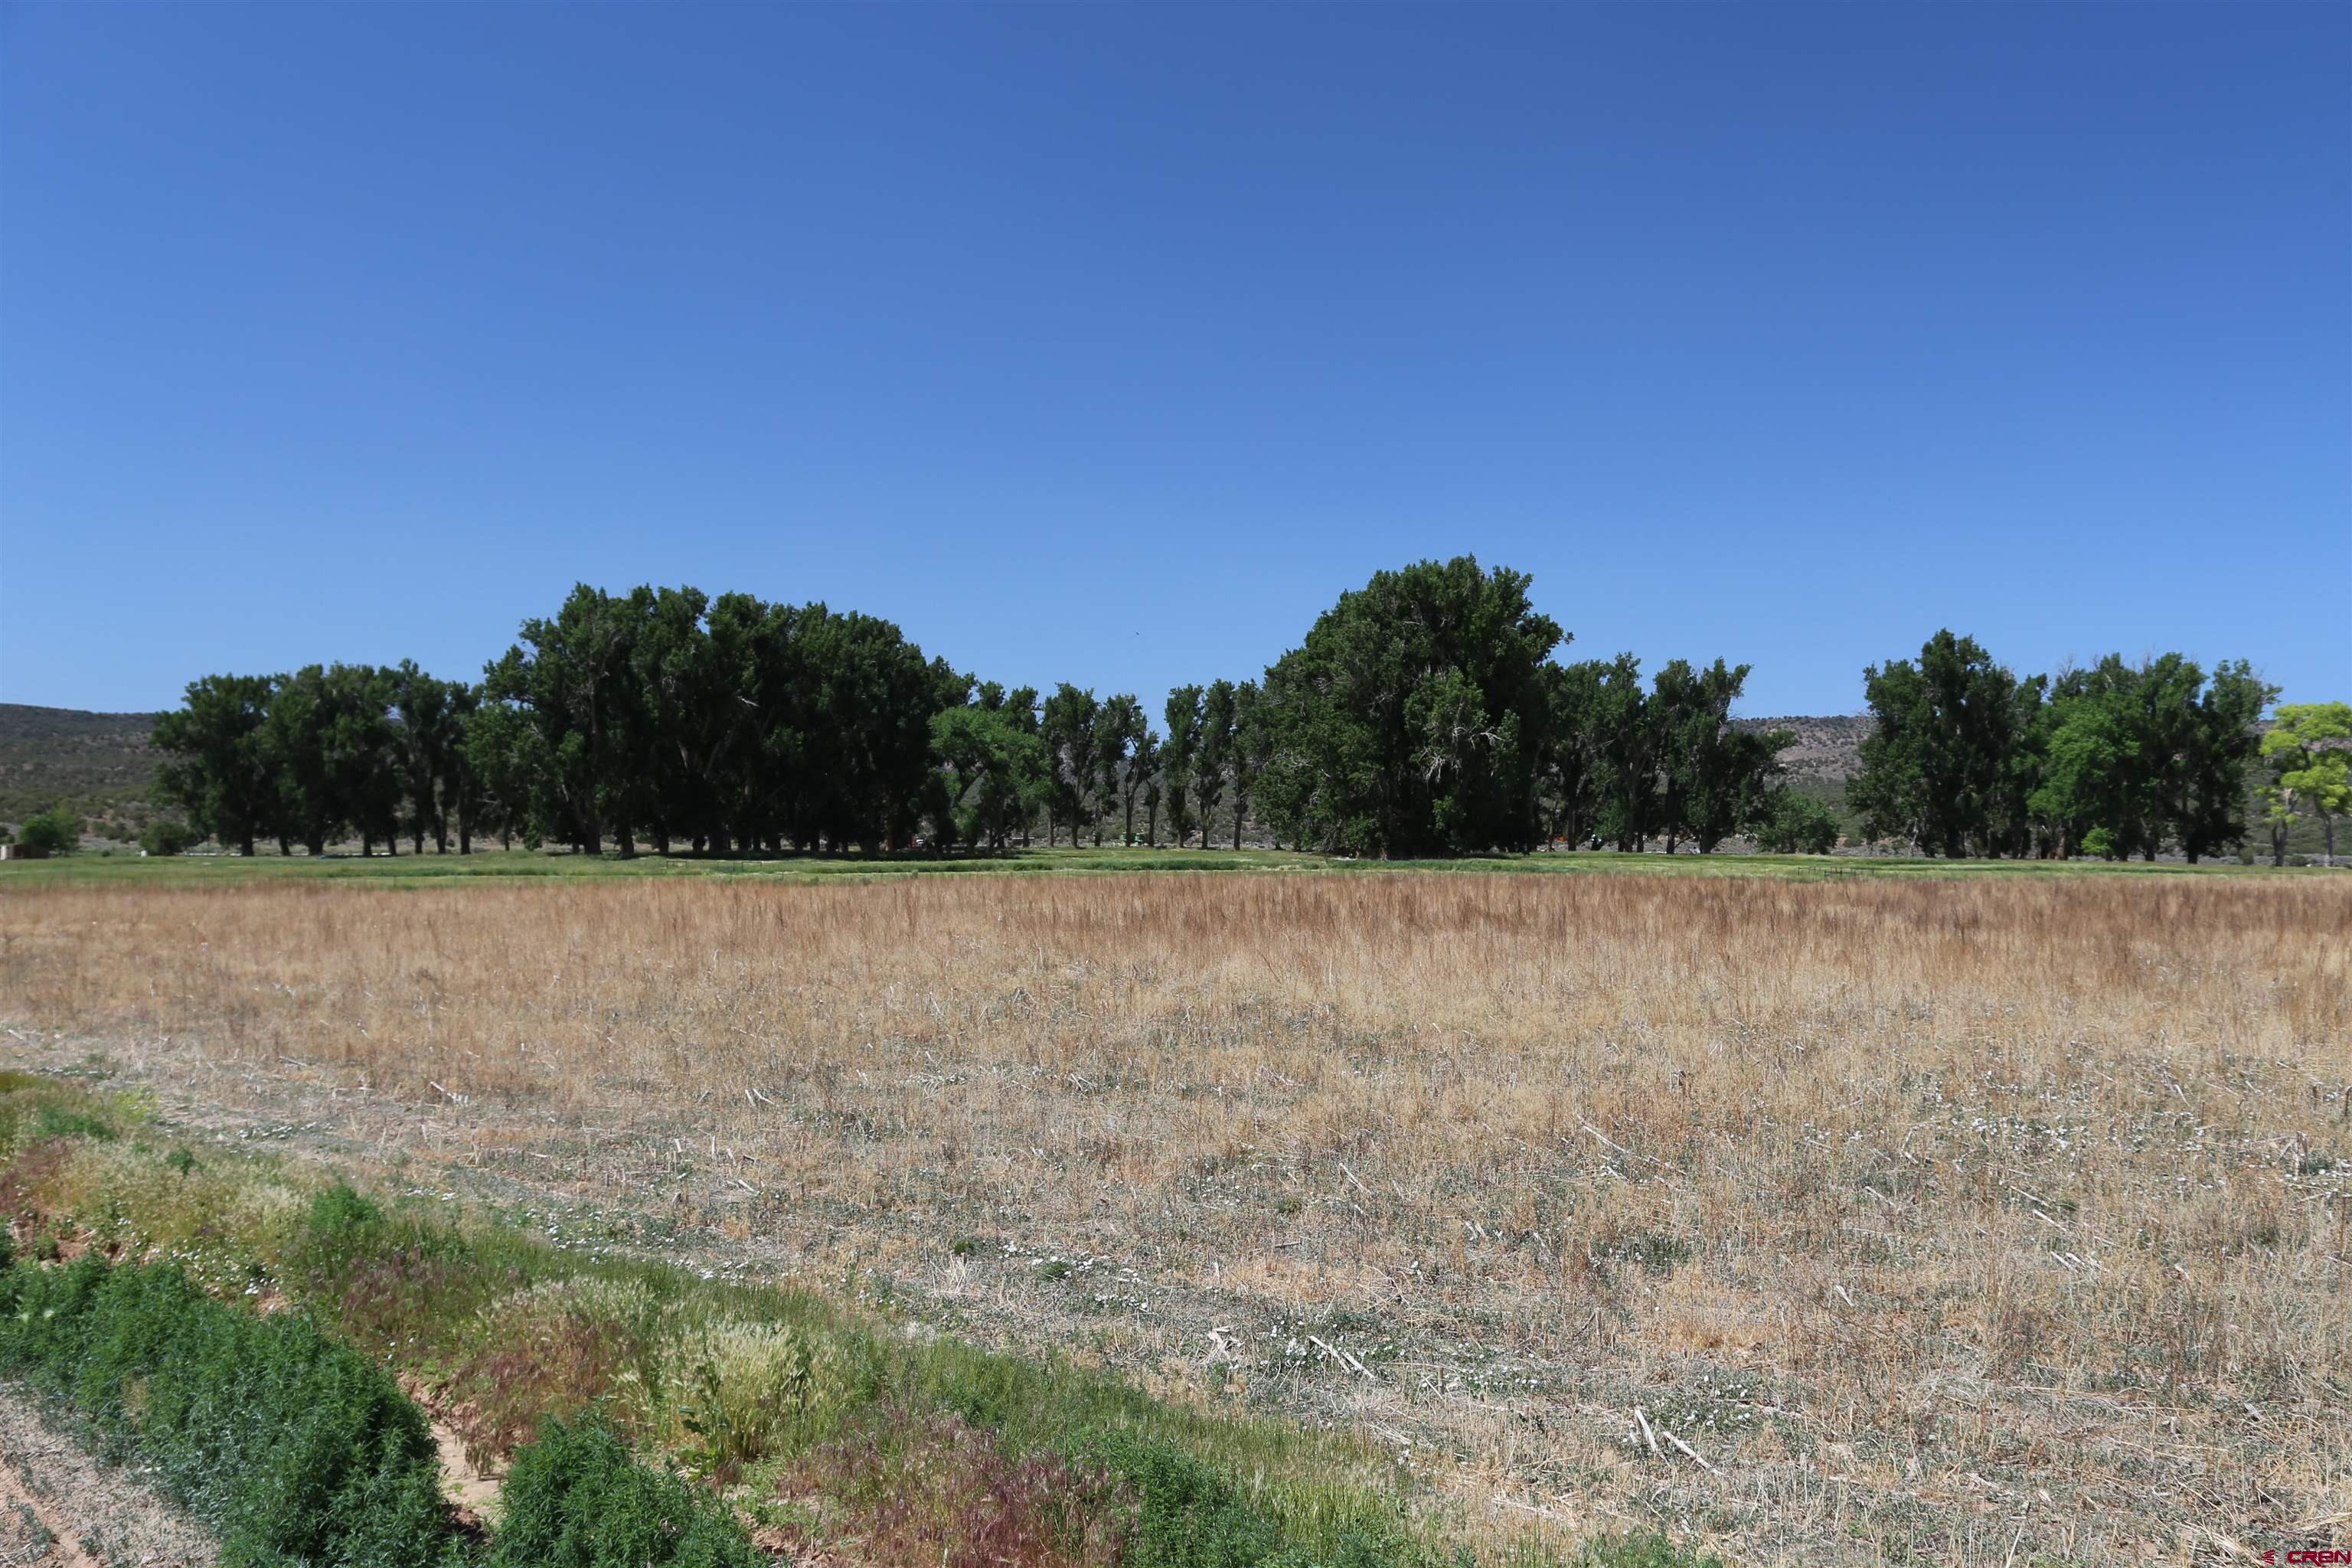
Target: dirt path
59,1507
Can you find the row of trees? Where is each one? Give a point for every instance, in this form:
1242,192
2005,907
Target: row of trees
1423,714
2121,759
328,751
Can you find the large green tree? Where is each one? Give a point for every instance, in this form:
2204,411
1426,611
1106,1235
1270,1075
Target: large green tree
572,674
1071,718
1629,739
1177,753
1572,770
997,773
1405,706
2307,756
1124,746
1937,767
217,768
1715,780
298,740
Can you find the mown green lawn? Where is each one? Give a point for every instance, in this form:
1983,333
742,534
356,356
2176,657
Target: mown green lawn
418,870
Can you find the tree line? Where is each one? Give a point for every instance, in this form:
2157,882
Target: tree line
2115,761
1424,713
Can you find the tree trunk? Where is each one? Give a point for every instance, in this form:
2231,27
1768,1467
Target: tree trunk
1152,829
2328,826
367,847
416,835
1239,811
244,845
285,851
1128,838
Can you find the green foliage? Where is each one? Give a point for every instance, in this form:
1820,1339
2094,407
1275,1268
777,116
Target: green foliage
1422,715
1643,1551
1073,751
1797,823
1404,724
1188,1515
996,770
219,770
57,830
1937,768
576,1500
168,835
2308,758
99,764
296,1449
1178,753
1968,759
63,1121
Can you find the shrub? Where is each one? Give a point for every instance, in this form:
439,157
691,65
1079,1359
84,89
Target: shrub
57,830
57,1122
576,1500
746,1391
910,1487
293,1446
1797,824
167,835
555,1348
1189,1514
1650,1551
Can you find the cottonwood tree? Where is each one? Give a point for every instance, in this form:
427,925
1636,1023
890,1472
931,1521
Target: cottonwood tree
1716,780
2308,757
1123,746
1250,745
1937,765
997,771
1070,719
1629,741
1178,753
1214,754
1406,704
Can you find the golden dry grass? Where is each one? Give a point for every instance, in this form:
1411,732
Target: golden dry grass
1947,1221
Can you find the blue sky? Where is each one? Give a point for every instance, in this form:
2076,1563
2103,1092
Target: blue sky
1110,344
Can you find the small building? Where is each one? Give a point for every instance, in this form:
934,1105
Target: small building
23,852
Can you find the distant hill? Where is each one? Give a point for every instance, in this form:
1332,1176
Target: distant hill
98,764
1827,751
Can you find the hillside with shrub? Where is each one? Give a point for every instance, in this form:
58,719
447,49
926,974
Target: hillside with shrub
99,764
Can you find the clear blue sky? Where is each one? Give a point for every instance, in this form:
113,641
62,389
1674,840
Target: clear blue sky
1110,344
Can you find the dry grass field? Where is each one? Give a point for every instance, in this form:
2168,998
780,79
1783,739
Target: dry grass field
1932,1221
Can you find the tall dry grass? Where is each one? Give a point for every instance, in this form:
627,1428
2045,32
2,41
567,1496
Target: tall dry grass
1959,1220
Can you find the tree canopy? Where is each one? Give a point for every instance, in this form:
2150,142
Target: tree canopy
1424,713
1966,758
